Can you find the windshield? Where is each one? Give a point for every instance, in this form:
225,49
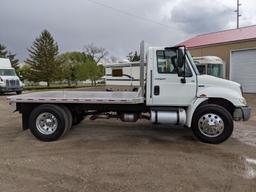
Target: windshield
215,70
191,60
201,69
7,72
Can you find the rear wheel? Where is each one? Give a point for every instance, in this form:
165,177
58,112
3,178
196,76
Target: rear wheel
48,122
212,124
69,115
18,92
77,118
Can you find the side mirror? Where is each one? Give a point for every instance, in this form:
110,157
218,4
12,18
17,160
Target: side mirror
181,64
180,58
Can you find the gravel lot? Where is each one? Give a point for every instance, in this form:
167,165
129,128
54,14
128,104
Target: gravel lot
107,155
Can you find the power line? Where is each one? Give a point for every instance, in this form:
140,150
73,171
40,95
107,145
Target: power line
129,14
224,5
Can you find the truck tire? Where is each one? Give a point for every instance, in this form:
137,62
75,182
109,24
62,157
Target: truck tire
69,115
18,92
212,124
77,118
48,122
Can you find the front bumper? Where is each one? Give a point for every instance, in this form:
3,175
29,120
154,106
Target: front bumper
242,113
10,89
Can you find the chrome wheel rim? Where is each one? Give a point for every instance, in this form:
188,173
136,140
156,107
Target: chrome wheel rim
211,125
46,123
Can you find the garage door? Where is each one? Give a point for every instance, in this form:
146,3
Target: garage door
243,69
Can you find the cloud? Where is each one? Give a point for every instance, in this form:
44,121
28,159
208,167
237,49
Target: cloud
79,22
201,16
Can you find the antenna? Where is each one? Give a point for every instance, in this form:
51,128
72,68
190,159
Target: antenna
238,14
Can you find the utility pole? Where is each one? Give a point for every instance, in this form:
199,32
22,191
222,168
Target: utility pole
238,14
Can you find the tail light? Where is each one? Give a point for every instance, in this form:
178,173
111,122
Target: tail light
1,80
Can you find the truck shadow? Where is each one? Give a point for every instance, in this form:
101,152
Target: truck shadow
135,132
7,94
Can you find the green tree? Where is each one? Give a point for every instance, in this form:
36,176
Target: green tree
71,69
88,69
13,60
132,57
100,71
25,73
94,56
4,53
83,65
43,62
82,73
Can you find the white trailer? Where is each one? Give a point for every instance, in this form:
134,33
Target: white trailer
172,92
127,74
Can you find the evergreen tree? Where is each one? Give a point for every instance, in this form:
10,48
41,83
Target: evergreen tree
132,57
43,62
3,51
13,60
7,54
136,57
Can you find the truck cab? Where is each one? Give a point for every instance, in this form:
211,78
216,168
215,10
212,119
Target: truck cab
203,102
9,81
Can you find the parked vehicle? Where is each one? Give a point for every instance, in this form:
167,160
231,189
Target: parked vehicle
9,81
173,93
210,65
125,73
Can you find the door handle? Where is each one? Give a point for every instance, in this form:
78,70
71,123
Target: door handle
160,79
156,90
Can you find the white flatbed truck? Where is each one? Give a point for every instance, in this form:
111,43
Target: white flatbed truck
173,93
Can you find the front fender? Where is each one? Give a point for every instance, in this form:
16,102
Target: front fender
232,95
191,109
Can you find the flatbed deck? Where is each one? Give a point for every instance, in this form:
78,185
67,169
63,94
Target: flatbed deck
91,97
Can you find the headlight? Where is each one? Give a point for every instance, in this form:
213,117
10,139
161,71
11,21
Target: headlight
243,101
21,84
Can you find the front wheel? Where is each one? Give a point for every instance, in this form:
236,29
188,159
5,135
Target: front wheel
212,124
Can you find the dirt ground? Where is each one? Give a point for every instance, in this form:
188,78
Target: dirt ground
107,155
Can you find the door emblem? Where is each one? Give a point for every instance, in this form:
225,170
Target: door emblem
160,79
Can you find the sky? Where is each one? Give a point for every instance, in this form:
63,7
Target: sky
116,25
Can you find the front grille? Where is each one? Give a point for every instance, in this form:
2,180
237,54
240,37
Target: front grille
12,83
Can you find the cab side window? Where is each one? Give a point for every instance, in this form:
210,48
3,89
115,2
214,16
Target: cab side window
166,62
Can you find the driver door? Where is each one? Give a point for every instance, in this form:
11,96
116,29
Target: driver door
168,88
